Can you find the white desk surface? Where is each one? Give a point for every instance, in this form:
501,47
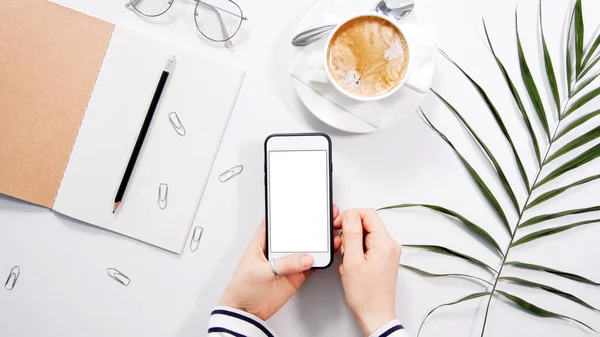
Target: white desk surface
63,289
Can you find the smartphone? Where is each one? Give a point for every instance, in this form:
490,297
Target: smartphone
299,210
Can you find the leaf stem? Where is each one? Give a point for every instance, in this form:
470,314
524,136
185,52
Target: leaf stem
512,238
521,213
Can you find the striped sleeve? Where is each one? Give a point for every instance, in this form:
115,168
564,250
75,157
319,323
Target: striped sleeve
392,328
229,322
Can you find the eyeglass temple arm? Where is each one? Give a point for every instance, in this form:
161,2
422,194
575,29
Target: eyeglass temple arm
132,3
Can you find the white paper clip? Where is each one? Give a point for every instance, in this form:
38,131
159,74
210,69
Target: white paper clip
196,236
13,276
118,276
163,194
232,172
176,123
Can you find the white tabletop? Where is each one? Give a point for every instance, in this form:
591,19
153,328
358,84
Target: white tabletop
63,289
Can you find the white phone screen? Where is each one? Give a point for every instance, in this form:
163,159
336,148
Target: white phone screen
298,201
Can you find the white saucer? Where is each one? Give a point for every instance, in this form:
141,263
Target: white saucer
331,114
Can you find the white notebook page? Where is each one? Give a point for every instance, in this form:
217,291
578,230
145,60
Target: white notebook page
202,92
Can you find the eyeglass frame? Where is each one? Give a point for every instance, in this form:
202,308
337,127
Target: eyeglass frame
130,4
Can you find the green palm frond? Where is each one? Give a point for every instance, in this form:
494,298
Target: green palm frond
549,66
552,271
592,50
464,299
550,289
535,310
429,274
551,231
530,85
473,228
447,251
571,113
516,96
551,194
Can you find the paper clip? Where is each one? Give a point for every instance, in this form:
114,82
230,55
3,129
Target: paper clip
196,236
118,276
232,172
163,194
13,276
176,123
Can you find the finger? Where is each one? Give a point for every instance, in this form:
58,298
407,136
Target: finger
336,211
308,273
337,243
337,221
293,264
371,221
260,238
352,233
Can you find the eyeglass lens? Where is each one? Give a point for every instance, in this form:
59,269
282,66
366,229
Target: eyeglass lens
218,20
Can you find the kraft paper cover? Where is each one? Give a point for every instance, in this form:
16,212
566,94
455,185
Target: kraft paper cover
50,57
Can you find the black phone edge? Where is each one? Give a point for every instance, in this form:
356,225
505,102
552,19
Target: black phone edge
320,134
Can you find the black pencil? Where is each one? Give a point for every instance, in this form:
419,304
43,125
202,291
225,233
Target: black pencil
140,140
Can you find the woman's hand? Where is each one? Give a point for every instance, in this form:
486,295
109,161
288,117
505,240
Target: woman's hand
254,287
369,268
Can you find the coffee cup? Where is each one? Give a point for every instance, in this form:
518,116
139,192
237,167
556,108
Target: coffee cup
367,57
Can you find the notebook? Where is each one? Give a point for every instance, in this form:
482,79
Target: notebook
74,91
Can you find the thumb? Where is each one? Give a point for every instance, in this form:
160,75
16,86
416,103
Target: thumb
293,264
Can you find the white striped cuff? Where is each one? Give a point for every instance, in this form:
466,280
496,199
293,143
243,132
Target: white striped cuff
392,328
225,321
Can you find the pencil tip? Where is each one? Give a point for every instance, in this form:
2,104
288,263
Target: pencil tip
116,206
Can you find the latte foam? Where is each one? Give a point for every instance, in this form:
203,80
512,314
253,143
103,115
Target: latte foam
368,56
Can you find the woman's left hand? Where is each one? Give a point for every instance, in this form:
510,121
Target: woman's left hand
254,287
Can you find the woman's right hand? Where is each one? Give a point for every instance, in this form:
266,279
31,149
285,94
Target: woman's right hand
369,269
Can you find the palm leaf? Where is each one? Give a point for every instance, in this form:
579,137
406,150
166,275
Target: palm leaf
473,228
466,298
577,123
588,68
498,119
569,52
582,101
549,67
584,84
593,48
569,276
551,231
550,289
574,163
579,32
450,252
578,66
428,274
575,143
487,151
515,95
480,183
551,194
537,311
546,217
530,85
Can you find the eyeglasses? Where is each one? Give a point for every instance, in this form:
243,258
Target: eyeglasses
216,20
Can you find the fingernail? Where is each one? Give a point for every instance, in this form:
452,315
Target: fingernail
307,261
351,215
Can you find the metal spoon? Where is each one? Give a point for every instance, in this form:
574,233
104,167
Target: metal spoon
315,34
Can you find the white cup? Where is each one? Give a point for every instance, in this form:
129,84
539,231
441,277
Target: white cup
323,75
